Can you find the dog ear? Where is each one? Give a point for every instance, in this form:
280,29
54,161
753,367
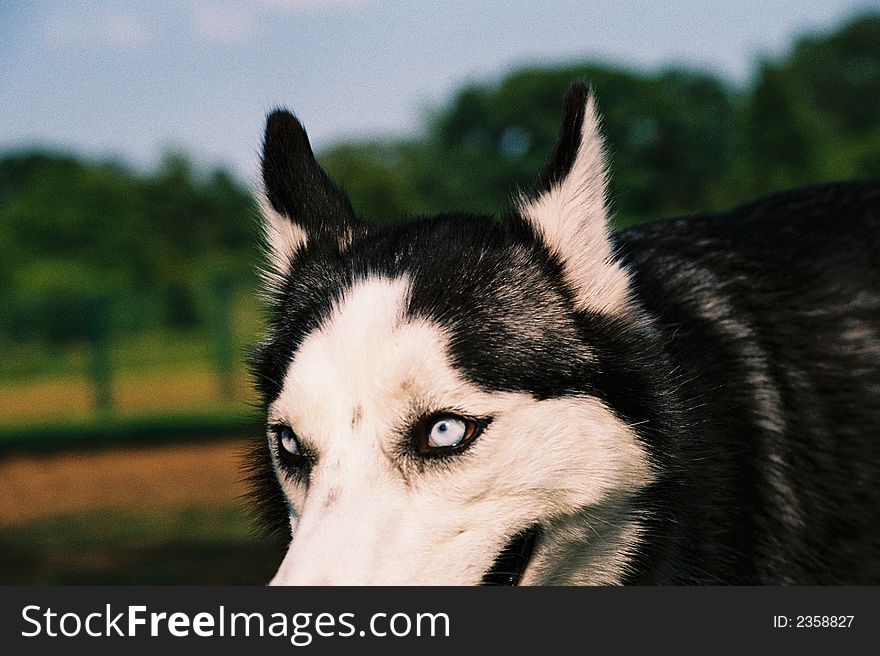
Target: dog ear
299,203
568,212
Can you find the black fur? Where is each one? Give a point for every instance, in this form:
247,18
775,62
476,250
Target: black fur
565,150
775,304
295,184
749,362
562,157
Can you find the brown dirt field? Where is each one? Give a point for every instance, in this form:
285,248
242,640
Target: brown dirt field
126,478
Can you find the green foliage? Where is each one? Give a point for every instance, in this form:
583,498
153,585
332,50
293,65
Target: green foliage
670,137
669,134
176,545
383,177
77,233
91,432
815,114
679,141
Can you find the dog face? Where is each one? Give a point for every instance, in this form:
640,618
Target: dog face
444,399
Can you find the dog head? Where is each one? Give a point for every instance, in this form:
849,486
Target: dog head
445,400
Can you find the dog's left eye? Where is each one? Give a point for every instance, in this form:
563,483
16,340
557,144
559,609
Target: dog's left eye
448,432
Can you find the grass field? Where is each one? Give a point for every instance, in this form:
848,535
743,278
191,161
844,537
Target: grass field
165,514
147,492
172,390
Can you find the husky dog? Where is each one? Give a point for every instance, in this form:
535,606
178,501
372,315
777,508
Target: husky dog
535,400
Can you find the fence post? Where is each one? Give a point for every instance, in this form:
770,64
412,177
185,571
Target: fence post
98,338
224,342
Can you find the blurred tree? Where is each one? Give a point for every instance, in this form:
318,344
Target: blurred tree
815,113
669,136
379,177
784,140
71,227
678,141
838,74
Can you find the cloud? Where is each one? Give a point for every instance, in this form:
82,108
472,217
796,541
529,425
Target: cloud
314,6
114,29
224,23
237,21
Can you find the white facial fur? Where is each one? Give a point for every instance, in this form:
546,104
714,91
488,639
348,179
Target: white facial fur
373,516
282,236
572,220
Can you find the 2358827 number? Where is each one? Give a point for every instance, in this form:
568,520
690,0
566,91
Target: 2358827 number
824,621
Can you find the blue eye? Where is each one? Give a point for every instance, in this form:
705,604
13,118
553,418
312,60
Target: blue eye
449,431
287,440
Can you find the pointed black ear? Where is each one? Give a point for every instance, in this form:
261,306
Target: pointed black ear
567,209
574,110
300,202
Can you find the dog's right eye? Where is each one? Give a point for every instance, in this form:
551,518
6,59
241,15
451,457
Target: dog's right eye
288,441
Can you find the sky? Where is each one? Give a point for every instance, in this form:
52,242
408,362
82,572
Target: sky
132,79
